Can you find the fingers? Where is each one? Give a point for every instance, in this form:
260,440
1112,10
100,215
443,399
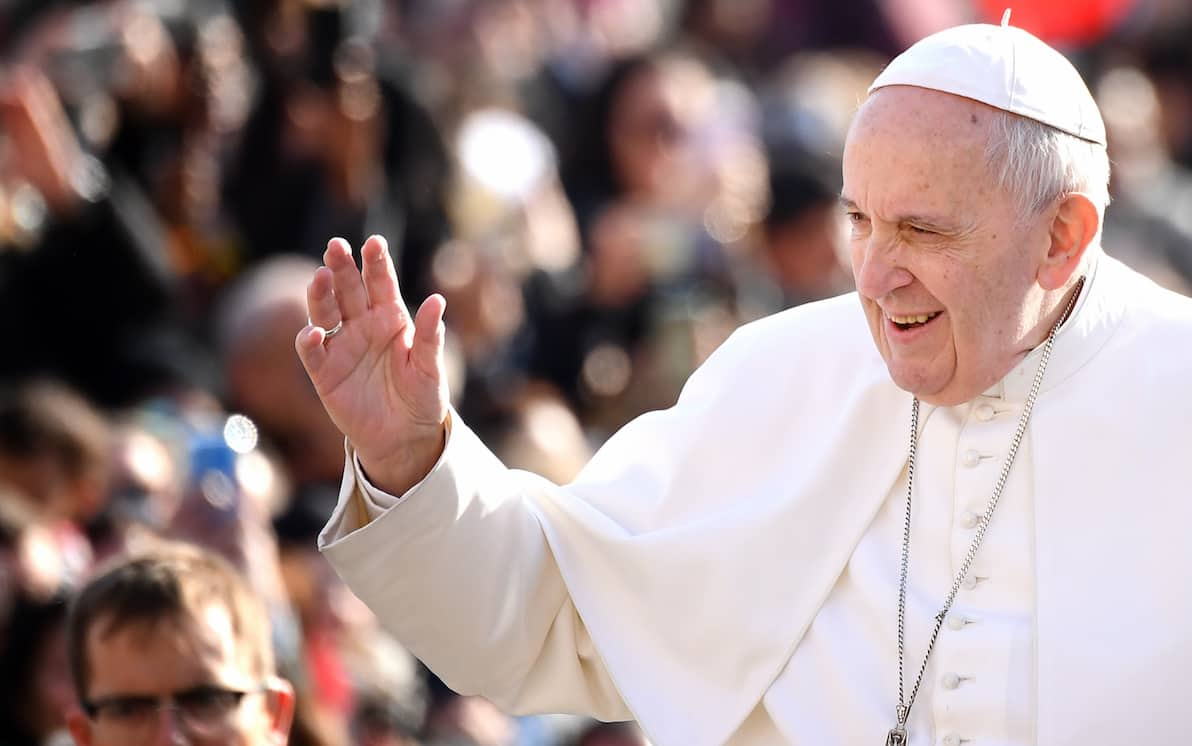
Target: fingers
346,281
312,353
321,305
427,351
323,312
380,278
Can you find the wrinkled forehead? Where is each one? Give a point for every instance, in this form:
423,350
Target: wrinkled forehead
904,111
917,152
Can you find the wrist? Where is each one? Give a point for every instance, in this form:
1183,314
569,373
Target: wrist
406,465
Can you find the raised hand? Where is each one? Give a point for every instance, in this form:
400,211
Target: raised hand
44,151
379,373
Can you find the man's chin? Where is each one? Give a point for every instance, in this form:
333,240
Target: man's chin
929,387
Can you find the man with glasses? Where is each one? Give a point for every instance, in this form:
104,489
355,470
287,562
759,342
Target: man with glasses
172,647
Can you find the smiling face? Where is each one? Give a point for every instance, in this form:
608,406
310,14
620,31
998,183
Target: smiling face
946,266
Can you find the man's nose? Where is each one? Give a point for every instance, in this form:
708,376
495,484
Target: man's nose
880,269
170,731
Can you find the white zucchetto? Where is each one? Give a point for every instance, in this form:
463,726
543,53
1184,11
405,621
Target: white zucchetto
1004,67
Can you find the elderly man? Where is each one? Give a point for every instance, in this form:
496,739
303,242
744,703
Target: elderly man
950,508
172,647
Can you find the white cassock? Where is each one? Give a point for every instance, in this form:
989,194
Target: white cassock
726,571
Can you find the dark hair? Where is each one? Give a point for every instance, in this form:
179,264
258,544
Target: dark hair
23,643
46,418
794,189
589,172
172,582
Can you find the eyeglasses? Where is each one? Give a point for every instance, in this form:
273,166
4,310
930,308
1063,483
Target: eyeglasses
203,711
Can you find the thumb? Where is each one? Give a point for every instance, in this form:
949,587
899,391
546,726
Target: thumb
427,351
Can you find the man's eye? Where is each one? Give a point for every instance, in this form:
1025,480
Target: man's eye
856,217
129,709
207,701
921,230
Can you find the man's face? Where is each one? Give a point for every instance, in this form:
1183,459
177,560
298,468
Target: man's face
190,663
945,269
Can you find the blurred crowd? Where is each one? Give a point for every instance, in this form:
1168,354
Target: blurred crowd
602,189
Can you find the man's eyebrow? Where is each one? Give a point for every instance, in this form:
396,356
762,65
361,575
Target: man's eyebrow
923,221
928,222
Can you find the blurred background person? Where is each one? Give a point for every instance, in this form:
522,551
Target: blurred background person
55,455
173,643
35,691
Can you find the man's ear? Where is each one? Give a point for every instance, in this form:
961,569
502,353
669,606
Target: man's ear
280,701
79,726
1073,229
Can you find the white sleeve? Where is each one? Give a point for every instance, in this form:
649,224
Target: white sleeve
376,500
459,571
358,507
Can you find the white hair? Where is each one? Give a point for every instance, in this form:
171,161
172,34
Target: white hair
1038,164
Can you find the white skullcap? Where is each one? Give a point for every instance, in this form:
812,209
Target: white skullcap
1004,67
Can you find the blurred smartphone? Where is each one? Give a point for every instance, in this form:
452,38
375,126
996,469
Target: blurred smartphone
210,510
212,481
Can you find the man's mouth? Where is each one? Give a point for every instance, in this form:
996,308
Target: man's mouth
911,321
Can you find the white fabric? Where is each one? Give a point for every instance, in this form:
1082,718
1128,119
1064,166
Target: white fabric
978,687
818,699
1004,67
987,645
682,573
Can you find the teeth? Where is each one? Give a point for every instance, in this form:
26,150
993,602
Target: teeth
919,319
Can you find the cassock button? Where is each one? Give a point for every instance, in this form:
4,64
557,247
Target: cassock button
950,681
952,740
969,519
970,582
956,622
970,458
984,412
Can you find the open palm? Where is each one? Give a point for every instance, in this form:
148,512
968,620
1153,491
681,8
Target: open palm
379,373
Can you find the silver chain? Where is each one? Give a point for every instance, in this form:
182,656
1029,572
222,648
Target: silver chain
902,713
